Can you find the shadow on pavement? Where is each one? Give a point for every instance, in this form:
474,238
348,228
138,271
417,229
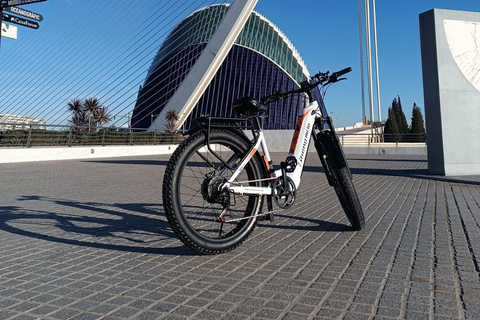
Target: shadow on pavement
388,160
409,173
137,162
106,226
317,225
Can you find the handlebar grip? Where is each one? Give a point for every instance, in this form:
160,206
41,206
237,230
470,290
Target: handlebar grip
341,72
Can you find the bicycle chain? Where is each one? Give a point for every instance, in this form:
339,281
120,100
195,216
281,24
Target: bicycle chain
254,216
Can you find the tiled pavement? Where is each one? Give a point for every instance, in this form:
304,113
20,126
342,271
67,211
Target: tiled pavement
88,240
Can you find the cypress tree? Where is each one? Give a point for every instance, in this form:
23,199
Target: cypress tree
417,124
400,117
391,126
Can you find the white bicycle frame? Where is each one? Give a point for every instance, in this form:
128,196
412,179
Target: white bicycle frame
298,149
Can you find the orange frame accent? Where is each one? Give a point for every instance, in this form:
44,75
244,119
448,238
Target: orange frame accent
300,119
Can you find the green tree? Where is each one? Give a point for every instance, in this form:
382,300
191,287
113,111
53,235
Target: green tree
89,113
417,126
400,116
172,117
391,126
396,123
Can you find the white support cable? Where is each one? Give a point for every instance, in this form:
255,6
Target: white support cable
12,67
53,110
135,93
126,70
375,45
142,104
31,40
362,64
135,85
113,95
166,62
36,89
369,60
65,59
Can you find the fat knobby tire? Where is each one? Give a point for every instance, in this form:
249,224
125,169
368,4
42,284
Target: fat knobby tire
172,202
337,168
349,199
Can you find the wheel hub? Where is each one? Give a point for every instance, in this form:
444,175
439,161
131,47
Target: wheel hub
213,191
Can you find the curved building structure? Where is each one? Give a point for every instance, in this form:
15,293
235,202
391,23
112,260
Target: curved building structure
261,62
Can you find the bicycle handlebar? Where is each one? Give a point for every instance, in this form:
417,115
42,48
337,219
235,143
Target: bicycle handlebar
341,72
322,78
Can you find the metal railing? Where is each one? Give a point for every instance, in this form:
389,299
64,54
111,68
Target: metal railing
58,135
37,135
375,138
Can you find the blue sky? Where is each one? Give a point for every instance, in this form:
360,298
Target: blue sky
324,32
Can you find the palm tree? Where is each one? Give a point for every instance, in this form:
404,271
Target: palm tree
88,113
103,117
92,107
79,115
75,106
172,117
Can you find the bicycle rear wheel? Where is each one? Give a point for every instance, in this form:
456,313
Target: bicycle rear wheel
205,216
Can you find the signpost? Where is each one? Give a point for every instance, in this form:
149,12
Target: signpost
20,21
10,6
24,13
11,3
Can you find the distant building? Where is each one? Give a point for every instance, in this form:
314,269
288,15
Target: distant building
262,61
18,122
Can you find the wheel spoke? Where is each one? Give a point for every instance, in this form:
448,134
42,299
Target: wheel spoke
209,213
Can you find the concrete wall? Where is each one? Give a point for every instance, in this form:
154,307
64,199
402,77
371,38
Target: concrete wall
452,101
279,141
9,155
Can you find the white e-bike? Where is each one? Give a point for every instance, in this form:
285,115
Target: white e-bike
217,179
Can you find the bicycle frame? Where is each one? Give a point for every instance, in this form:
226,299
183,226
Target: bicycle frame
298,149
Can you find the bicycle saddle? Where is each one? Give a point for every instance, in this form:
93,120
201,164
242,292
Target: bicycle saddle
247,106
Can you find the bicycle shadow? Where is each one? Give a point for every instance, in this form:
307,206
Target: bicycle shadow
314,225
130,227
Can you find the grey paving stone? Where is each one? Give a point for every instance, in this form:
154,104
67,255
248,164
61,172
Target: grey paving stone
329,313
356,316
65,314
109,251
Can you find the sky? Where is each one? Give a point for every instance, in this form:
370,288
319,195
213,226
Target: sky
105,48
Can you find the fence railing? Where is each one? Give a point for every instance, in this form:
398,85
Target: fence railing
36,135
375,138
57,135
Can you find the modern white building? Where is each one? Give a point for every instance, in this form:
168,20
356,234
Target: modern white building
15,122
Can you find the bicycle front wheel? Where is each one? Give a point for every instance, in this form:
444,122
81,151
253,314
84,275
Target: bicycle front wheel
349,198
339,175
204,215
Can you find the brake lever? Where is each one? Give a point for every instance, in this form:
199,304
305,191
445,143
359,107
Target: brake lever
335,81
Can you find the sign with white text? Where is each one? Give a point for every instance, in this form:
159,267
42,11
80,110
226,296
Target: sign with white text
20,21
24,13
11,3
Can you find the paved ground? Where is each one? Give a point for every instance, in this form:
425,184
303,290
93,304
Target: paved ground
88,240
